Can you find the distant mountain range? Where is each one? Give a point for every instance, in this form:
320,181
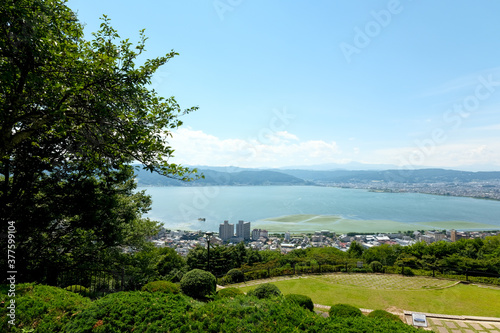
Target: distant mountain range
212,177
232,176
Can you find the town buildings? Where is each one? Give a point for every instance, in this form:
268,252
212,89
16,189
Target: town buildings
184,241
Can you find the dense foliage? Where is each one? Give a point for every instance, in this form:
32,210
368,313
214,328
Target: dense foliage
302,300
248,314
229,292
235,275
344,310
162,286
265,290
78,289
171,266
133,311
74,114
384,315
198,284
222,258
474,259
51,309
41,308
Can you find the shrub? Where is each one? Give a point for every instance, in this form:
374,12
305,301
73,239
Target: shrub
247,314
256,274
408,271
78,289
229,292
344,310
236,275
40,308
302,300
133,311
198,284
327,268
384,315
162,286
265,290
138,311
376,266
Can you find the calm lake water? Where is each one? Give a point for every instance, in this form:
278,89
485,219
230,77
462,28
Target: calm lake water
180,207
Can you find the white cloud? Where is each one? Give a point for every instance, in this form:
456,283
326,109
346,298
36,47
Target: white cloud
495,127
466,83
278,149
446,155
275,149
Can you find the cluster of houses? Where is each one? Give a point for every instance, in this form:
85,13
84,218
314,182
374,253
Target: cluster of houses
260,239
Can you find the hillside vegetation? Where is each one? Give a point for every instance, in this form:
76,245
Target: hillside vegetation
138,311
228,176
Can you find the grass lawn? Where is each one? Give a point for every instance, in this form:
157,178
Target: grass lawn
395,292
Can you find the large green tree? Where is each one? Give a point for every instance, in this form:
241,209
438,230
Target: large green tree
74,114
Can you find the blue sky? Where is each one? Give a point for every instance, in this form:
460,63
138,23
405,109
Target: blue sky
288,83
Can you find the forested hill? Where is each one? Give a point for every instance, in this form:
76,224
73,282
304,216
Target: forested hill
212,178
398,176
258,177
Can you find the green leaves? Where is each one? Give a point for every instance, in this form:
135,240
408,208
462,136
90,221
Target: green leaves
73,115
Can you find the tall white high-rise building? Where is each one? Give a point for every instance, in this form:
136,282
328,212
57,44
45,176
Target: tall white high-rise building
243,230
226,230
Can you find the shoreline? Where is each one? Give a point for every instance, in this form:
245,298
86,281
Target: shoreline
369,189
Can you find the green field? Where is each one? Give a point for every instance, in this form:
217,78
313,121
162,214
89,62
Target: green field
394,293
312,223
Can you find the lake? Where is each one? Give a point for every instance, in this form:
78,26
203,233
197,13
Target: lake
317,208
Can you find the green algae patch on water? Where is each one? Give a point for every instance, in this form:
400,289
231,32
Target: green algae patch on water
460,225
333,223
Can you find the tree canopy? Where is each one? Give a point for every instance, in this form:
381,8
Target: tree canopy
74,114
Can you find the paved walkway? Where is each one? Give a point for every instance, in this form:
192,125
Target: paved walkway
442,323
459,324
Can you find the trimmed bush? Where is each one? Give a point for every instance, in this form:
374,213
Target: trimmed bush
162,286
78,289
265,290
384,315
376,266
302,300
235,275
257,274
344,310
133,311
229,292
138,311
408,271
198,284
247,314
40,308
